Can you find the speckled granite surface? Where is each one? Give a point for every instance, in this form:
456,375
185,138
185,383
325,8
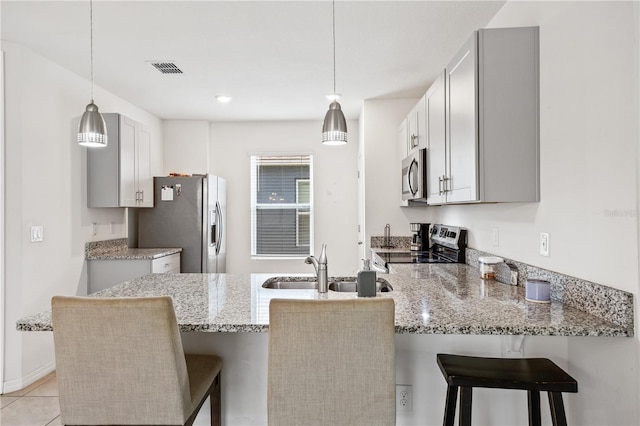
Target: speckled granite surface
117,250
605,302
430,299
394,242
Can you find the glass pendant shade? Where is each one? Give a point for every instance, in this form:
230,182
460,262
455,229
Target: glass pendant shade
334,128
92,130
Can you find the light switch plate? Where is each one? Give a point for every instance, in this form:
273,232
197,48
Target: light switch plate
544,244
37,234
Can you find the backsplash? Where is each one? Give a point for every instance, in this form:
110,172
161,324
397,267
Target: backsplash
398,242
94,248
604,302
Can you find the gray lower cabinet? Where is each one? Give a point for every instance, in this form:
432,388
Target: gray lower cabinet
103,274
488,149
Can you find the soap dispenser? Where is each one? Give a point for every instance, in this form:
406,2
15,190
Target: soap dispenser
366,282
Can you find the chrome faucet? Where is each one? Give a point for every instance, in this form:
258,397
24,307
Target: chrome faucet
320,266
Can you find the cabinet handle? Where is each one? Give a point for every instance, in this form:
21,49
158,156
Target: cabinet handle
440,192
142,195
137,195
414,142
444,184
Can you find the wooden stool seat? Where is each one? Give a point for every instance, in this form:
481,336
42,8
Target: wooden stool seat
531,374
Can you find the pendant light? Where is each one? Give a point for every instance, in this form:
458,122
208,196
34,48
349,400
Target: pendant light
92,130
334,128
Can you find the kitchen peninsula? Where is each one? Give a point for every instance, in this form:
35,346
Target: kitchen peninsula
430,299
439,308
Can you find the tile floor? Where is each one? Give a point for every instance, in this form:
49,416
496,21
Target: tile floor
35,405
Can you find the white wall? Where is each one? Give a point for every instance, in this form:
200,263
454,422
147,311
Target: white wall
45,179
334,186
186,146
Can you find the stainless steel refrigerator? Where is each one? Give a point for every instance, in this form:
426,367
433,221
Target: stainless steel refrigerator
190,213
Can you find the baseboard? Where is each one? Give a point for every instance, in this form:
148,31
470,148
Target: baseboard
23,382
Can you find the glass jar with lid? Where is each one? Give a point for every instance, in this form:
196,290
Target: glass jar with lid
487,266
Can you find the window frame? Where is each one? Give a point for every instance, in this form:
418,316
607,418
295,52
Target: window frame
286,159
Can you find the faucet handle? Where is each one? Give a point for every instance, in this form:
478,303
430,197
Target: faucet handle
323,255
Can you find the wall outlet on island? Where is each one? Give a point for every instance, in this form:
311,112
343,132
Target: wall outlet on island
404,398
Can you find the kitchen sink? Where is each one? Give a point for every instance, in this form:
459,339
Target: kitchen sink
281,283
349,285
339,284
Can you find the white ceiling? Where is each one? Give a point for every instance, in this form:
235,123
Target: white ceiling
273,57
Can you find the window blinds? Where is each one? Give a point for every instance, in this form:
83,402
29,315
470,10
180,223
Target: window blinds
281,205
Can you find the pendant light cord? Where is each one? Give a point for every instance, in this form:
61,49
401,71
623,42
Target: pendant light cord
334,48
91,47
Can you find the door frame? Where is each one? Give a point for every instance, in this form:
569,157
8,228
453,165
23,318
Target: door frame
2,224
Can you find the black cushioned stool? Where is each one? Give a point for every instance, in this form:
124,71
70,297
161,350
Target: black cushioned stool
531,374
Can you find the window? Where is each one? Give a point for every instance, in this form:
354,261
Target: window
281,206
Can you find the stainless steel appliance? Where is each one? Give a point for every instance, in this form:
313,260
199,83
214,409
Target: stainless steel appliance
448,245
414,176
420,237
190,213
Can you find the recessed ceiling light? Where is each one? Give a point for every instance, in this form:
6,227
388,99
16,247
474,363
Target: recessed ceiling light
223,98
333,96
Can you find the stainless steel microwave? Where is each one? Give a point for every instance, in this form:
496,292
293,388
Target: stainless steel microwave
414,176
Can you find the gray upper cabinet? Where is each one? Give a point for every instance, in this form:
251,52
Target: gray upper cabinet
119,175
417,127
491,115
436,140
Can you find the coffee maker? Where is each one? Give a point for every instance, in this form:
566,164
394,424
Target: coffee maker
420,238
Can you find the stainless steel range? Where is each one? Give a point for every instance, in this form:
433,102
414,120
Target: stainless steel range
447,244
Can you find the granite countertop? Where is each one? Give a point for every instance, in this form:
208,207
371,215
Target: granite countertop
430,299
117,250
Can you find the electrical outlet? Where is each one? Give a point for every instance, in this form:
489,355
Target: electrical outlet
495,236
544,244
94,228
404,398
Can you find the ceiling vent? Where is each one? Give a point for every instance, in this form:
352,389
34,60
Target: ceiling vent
166,67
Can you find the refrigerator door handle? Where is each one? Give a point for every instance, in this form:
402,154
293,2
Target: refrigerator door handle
213,234
219,224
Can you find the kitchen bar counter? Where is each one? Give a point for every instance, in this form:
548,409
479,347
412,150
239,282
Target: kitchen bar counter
430,299
118,250
134,254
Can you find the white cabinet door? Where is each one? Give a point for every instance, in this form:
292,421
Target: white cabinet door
462,143
436,152
402,147
128,180
402,138
417,127
166,264
144,178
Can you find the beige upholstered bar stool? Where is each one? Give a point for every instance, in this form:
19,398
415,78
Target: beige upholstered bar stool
119,361
331,362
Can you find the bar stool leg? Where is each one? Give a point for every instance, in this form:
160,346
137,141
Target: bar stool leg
557,409
465,406
450,406
533,398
